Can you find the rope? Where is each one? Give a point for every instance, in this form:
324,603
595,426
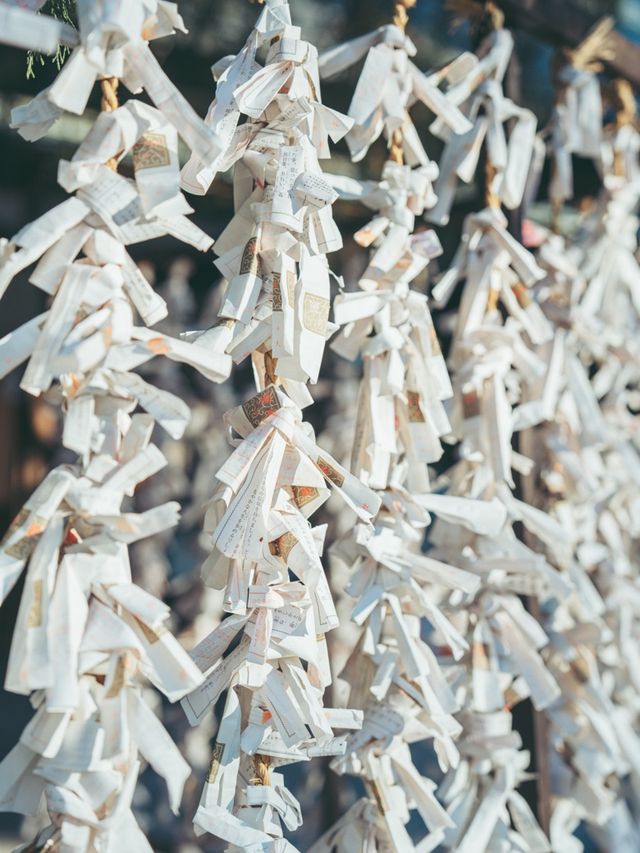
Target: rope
491,199
492,300
400,16
624,103
493,15
596,47
270,366
491,21
261,765
109,103
485,18
589,55
396,146
400,19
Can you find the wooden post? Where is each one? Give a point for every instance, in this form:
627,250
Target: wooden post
529,446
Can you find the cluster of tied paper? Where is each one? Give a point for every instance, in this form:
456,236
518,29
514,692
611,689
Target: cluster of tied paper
543,358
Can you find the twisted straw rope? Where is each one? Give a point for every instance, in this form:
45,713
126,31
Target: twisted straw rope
495,21
624,103
400,18
270,365
485,17
261,764
596,47
109,103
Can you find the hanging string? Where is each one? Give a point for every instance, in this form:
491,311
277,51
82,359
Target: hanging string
109,99
109,103
485,18
400,15
493,19
261,766
624,103
491,198
270,366
400,19
493,15
590,55
594,50
396,146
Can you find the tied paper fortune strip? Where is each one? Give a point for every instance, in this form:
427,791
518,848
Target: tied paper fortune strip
26,29
389,84
87,638
492,644
400,410
272,253
400,680
588,479
480,97
394,676
267,558
576,122
505,362
113,43
266,555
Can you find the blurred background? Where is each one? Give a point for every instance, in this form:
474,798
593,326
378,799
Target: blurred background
30,428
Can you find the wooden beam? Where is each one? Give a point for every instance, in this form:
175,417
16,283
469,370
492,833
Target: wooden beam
565,23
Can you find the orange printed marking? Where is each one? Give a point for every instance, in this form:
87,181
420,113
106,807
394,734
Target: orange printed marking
158,346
